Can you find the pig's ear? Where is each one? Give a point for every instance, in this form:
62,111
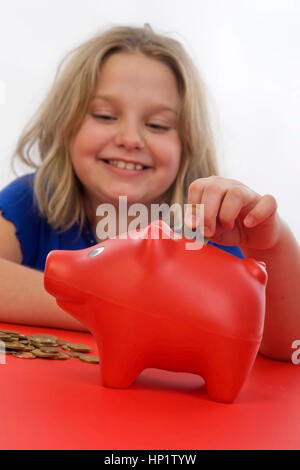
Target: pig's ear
154,231
257,269
159,230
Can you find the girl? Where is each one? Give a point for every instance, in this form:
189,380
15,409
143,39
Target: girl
127,116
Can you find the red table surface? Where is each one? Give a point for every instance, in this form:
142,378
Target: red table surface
52,404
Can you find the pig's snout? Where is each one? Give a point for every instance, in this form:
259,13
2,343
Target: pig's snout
59,276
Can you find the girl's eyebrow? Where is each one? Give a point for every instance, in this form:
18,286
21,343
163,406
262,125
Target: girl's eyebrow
154,105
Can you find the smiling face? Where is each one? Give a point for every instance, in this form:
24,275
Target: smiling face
130,122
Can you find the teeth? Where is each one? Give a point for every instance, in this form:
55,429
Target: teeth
127,166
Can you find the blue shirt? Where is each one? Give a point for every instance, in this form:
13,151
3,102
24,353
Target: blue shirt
36,236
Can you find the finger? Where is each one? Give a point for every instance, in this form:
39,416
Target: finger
210,194
212,197
194,197
265,207
235,199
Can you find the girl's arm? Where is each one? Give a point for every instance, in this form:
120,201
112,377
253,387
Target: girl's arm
282,321
23,297
229,206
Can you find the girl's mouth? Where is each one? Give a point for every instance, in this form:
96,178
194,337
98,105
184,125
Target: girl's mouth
131,170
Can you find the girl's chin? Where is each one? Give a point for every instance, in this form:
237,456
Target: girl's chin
126,197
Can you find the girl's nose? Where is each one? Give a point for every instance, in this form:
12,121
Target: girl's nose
129,135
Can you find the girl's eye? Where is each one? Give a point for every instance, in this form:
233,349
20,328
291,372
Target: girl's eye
155,126
102,116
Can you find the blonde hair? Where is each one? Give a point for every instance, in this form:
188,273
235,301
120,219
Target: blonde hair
58,191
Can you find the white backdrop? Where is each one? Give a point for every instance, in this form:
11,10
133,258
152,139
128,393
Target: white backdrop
248,52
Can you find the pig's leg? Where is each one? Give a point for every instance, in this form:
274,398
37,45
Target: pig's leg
120,350
119,364
229,363
120,345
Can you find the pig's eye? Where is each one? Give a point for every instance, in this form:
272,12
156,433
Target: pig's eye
96,251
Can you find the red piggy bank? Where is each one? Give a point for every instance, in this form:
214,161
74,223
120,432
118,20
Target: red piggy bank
153,303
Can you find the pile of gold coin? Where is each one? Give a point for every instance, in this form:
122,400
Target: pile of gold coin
43,346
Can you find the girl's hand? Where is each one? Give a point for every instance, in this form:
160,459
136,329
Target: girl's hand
228,207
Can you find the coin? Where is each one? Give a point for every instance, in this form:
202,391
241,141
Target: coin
79,347
28,348
62,356
41,337
24,355
5,337
43,342
74,354
90,359
10,332
39,353
14,345
50,350
60,342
